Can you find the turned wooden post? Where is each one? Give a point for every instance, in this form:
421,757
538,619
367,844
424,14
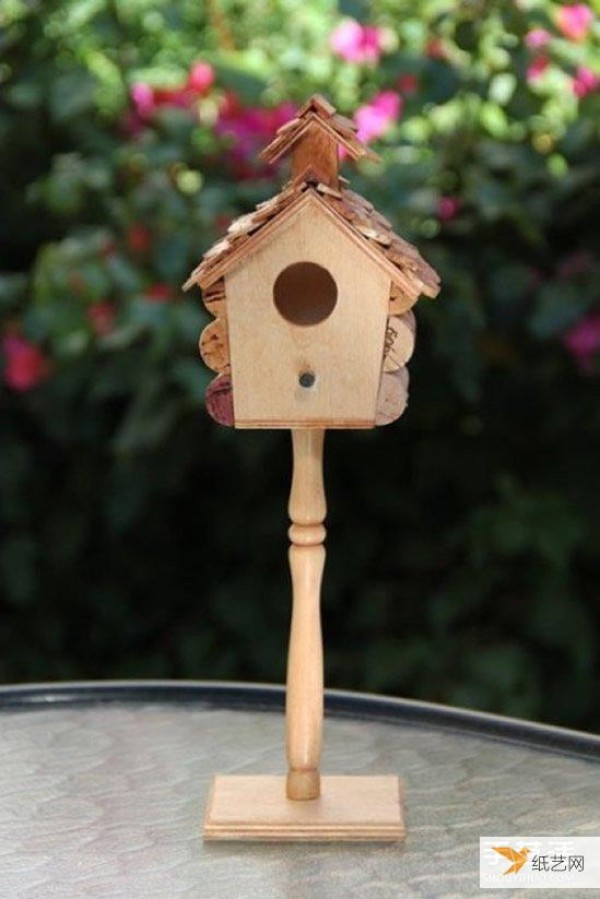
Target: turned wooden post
304,695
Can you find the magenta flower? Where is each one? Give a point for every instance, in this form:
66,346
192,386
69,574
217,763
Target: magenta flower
537,38
357,43
374,118
142,97
585,82
574,21
249,129
25,364
147,100
448,208
583,340
201,78
537,68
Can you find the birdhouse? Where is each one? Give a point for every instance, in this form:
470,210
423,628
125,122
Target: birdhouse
312,295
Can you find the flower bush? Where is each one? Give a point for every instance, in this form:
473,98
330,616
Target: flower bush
463,558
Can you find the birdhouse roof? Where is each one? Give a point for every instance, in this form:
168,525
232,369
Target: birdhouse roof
317,112
359,220
352,213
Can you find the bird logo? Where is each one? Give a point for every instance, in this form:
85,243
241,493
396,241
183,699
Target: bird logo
516,857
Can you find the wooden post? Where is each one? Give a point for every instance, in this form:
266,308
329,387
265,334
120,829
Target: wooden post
304,695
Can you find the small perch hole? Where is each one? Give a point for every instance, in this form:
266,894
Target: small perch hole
306,379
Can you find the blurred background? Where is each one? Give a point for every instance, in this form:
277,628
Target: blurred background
140,539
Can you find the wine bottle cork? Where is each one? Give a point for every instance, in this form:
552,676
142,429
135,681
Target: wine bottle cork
219,400
214,346
399,340
393,396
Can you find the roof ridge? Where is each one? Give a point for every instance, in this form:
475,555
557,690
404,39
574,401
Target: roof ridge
319,104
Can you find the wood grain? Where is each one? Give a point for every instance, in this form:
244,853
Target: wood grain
316,154
344,351
399,340
304,692
350,809
393,396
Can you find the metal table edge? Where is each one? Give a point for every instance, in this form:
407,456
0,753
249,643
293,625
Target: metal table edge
271,697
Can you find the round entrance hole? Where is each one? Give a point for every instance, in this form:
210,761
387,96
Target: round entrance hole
305,293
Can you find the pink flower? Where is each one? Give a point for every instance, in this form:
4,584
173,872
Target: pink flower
357,43
142,96
574,21
201,78
537,38
585,82
158,293
25,364
374,118
537,68
583,340
147,99
144,106
102,318
448,208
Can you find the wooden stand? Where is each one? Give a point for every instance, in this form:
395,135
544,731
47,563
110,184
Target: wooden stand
312,295
304,806
355,809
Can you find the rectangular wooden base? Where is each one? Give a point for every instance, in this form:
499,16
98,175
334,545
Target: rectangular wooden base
349,808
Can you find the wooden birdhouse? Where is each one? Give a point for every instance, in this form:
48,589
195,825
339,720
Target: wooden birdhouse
312,295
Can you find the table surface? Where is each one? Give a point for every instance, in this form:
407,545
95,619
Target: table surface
103,789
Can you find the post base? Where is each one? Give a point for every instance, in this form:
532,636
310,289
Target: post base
349,809
303,785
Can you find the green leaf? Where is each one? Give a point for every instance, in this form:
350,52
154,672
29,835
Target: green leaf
72,94
502,88
193,377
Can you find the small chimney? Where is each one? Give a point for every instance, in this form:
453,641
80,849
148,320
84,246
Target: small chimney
313,139
315,156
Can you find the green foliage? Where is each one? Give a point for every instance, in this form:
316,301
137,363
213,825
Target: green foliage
143,540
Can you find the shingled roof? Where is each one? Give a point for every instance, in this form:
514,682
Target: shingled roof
362,223
317,110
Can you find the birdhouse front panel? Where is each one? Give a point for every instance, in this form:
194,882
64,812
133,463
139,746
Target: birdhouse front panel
307,313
